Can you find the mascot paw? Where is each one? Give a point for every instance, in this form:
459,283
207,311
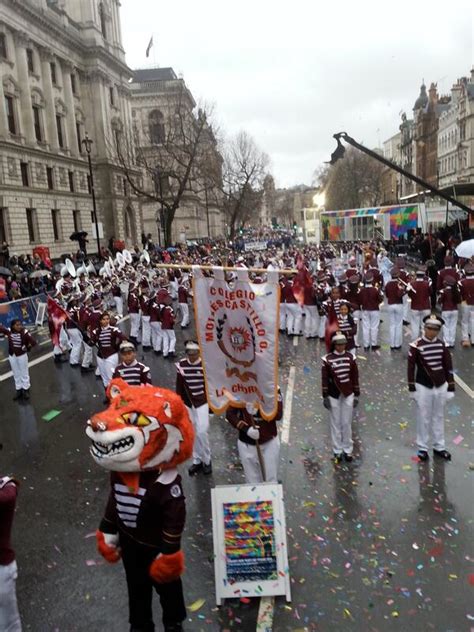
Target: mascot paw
107,545
167,568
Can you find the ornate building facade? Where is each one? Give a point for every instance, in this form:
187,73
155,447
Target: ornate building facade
63,75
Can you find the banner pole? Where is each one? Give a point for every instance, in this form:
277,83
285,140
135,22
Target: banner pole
188,266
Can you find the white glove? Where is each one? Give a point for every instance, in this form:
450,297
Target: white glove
111,539
5,480
253,433
449,395
251,409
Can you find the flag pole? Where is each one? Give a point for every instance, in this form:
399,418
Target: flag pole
188,266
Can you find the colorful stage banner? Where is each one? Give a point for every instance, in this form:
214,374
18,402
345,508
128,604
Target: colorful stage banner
237,327
24,308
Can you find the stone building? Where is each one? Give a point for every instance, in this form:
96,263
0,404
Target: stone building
390,178
407,155
164,130
63,74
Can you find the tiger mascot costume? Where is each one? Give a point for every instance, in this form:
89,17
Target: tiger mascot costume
141,437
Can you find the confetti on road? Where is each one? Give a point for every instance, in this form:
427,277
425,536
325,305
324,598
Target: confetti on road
51,415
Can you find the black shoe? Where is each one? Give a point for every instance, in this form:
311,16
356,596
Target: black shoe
442,454
176,627
337,458
19,395
375,347
366,348
406,323
207,469
392,348
158,353
146,348
26,393
172,354
348,457
195,468
423,455
87,369
59,359
74,366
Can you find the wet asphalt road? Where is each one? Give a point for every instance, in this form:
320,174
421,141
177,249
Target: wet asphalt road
383,543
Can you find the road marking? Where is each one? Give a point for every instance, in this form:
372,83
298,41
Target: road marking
285,428
295,341
464,386
266,611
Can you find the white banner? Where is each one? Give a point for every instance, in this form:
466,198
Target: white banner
237,327
255,245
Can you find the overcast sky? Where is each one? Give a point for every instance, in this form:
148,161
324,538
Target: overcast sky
293,73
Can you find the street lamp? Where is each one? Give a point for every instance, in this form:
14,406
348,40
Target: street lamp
87,142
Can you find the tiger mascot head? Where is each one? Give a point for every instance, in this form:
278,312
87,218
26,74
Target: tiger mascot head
144,428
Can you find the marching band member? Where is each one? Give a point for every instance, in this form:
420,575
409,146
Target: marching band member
447,271
117,297
129,369
311,321
183,297
283,311
466,286
155,324
352,295
108,339
449,298
395,291
167,317
405,277
294,315
133,303
252,429
420,295
347,325
431,381
370,298
145,310
190,387
19,343
340,390
74,332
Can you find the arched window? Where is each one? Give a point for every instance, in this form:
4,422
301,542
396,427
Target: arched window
129,225
103,21
157,127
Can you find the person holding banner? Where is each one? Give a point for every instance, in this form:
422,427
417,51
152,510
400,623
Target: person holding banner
190,387
340,390
258,443
19,343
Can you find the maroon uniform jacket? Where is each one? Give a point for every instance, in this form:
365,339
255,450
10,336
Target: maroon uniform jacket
378,278
339,375
394,293
420,295
133,303
182,294
404,275
241,419
8,492
287,293
18,343
108,341
145,305
442,274
467,290
310,297
155,311
93,320
154,515
352,294
167,317
116,291
134,374
190,383
449,298
370,298
348,327
74,314
429,364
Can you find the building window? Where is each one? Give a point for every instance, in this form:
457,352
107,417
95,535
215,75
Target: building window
157,127
31,221
79,137
49,178
112,95
76,218
30,61
92,217
59,127
103,25
3,226
54,77
3,46
10,109
73,84
24,174
37,123
125,187
71,181
56,224
89,184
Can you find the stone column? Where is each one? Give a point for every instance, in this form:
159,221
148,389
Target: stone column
3,114
26,109
47,57
67,69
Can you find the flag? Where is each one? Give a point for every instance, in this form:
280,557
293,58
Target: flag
56,317
332,325
301,281
237,330
148,48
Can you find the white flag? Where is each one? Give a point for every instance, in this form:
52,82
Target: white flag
150,44
237,329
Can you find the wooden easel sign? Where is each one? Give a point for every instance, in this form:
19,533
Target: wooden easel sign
250,547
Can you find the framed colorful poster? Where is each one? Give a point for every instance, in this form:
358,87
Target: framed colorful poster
250,547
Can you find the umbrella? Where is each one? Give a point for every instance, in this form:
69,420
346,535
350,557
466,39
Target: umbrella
171,249
37,274
466,249
5,271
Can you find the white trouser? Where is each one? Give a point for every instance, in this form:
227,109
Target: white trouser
201,449
118,305
467,322
311,325
156,335
135,321
430,403
169,341
357,316
64,342
449,328
21,374
88,356
340,417
322,326
107,368
283,314
293,318
9,615
406,306
395,316
184,307
146,331
76,341
416,322
249,458
370,327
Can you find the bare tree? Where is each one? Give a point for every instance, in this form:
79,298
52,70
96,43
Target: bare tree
355,181
176,153
244,171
